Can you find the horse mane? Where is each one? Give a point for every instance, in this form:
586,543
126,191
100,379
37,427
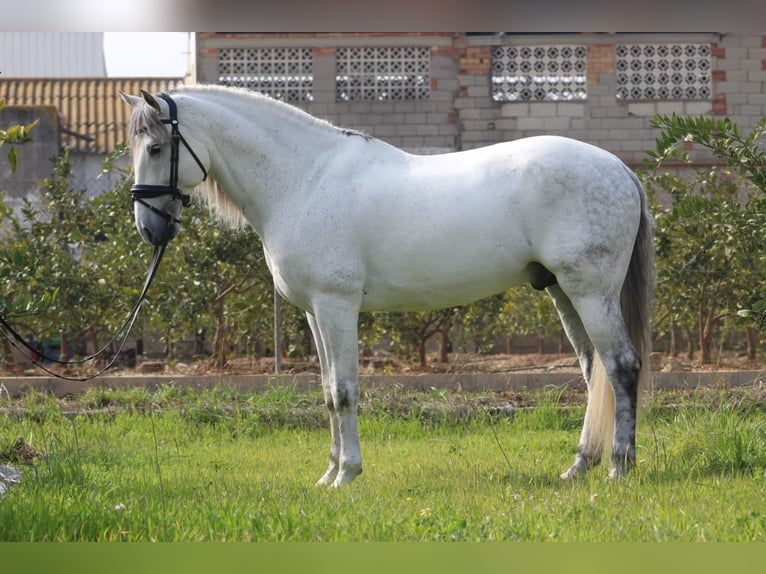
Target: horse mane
258,99
220,205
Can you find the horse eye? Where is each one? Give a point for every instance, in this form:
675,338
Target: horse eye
155,150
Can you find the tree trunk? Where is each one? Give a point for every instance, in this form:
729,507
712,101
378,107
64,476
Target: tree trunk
94,343
218,359
444,346
707,324
509,344
277,332
62,349
752,343
422,352
170,352
541,345
7,354
199,343
689,345
673,338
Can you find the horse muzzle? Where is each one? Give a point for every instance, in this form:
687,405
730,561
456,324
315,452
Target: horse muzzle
157,235
157,224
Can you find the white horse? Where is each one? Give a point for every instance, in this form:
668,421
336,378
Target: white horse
350,223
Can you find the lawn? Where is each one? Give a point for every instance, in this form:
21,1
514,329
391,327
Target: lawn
178,465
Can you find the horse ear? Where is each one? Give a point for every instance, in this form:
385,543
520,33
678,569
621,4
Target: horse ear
152,101
132,101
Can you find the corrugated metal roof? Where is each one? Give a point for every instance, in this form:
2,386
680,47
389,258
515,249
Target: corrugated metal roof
52,54
92,116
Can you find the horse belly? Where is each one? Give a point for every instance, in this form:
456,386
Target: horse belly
388,298
430,283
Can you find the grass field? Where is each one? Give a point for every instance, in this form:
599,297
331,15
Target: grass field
176,465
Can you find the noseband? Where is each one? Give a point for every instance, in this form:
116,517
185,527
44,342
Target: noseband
140,192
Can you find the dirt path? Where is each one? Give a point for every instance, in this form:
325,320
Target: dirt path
383,364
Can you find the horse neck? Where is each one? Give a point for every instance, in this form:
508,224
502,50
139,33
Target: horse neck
262,153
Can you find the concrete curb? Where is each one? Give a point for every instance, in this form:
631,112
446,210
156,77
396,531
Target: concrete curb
475,382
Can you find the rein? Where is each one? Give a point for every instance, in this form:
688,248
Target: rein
138,193
24,348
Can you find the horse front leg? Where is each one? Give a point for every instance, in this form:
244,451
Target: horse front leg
332,470
335,330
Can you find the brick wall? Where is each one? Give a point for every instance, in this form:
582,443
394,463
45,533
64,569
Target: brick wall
460,113
427,126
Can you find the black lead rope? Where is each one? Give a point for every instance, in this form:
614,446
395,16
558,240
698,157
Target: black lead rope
18,342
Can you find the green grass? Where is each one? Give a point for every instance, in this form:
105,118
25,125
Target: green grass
216,465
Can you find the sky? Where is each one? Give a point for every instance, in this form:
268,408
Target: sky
142,54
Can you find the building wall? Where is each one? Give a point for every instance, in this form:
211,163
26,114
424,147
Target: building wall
52,54
623,127
85,115
35,158
460,112
425,125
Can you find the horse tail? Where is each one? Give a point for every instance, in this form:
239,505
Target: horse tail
637,298
636,302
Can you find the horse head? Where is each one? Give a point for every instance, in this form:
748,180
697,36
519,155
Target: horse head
164,176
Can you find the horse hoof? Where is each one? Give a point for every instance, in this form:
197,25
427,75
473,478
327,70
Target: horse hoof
621,465
574,472
344,477
618,472
571,474
329,477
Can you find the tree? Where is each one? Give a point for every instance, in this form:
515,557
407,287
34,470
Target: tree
743,156
227,264
85,251
73,246
409,332
481,322
14,302
707,252
204,273
51,237
530,312
115,257
13,136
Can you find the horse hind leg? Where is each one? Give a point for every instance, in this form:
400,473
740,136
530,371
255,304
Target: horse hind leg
603,321
599,413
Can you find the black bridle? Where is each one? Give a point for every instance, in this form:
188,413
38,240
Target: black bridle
138,193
